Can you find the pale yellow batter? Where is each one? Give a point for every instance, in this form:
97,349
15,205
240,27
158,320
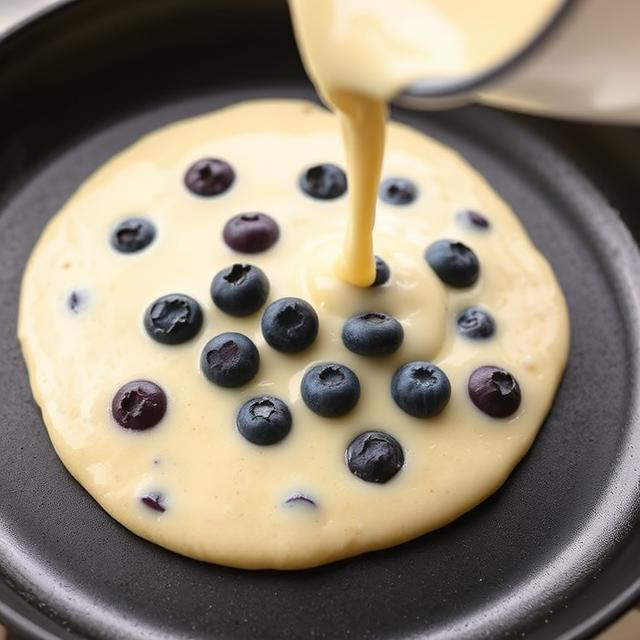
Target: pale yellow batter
224,496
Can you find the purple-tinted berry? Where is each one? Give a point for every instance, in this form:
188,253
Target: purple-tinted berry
209,177
139,405
154,501
494,391
251,232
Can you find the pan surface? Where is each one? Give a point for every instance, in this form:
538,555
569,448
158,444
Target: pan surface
555,553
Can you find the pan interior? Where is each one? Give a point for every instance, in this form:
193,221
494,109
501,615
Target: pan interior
550,549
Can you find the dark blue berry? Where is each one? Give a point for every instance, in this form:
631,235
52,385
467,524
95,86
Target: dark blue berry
372,334
494,391
472,219
398,191
475,323
209,177
383,273
139,405
374,456
299,500
251,232
230,360
264,421
289,325
76,300
133,234
330,389
173,319
324,181
454,263
154,501
240,290
420,389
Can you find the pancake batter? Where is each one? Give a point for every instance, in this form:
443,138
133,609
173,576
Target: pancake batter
150,415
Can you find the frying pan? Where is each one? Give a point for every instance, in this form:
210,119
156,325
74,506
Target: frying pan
554,554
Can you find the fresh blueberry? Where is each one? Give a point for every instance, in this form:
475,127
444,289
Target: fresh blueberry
230,360
398,191
251,232
173,319
374,456
475,323
299,500
240,289
139,405
494,391
420,389
330,389
289,325
133,234
372,334
209,177
472,219
454,263
324,182
265,420
154,501
383,273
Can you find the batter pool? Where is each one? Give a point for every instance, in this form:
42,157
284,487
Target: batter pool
207,375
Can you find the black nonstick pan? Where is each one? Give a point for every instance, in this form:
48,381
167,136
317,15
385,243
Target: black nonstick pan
554,554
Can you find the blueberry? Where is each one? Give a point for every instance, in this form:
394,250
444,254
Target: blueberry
173,319
494,391
475,323
372,334
230,360
209,177
324,182
420,389
330,389
374,456
398,191
299,500
133,234
240,289
454,263
251,232
154,501
75,301
289,325
383,273
265,420
472,219
139,405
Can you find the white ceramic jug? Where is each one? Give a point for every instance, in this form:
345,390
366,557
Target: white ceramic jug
585,64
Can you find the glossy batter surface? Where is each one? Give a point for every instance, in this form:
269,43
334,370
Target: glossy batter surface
225,497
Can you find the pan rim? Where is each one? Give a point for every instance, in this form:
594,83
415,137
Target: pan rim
16,615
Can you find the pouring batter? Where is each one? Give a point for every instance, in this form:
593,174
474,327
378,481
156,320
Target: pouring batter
360,53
